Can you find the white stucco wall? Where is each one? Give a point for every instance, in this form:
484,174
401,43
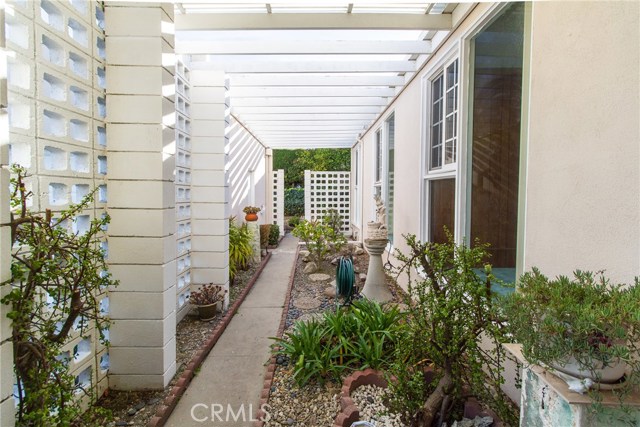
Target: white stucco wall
246,154
408,147
583,181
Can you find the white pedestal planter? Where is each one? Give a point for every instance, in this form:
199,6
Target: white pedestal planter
375,287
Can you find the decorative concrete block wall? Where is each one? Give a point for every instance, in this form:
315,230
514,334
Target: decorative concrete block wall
6,349
183,187
142,194
277,197
327,190
209,180
56,122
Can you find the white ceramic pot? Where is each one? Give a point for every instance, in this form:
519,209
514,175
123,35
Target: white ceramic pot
607,375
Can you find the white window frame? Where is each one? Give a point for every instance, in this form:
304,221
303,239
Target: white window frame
445,171
381,154
357,186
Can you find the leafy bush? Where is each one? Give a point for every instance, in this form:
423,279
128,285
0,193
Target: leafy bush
294,201
265,230
450,309
240,250
363,335
320,239
293,221
333,219
274,235
58,279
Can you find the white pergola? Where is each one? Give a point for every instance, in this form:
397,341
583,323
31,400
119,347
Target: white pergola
309,74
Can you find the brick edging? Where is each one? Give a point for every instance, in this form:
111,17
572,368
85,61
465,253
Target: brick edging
349,412
271,367
164,411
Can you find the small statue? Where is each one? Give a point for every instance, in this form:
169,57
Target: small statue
381,211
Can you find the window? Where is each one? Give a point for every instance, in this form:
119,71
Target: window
440,151
384,140
443,124
378,139
390,125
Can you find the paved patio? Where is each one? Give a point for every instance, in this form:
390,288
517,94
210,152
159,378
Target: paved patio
226,391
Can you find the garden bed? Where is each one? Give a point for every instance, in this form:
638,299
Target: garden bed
313,404
137,408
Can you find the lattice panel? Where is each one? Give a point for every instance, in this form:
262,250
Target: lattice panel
327,190
57,107
277,190
183,187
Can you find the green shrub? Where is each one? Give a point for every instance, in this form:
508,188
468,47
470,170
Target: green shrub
293,221
333,219
265,230
58,281
320,239
450,310
363,335
294,201
240,250
274,235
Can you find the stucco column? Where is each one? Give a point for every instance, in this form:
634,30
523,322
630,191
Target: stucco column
209,185
141,146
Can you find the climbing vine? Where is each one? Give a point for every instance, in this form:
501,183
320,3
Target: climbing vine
58,278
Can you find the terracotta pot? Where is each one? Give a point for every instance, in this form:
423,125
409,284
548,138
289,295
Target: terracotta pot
207,312
251,217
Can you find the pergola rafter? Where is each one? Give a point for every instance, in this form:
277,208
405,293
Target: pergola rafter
315,73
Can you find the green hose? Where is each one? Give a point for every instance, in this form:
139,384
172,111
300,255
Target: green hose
345,279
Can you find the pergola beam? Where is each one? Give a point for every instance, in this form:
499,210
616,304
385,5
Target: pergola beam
263,80
311,21
306,116
295,102
315,66
297,110
288,92
302,47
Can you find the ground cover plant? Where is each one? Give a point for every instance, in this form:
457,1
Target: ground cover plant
363,335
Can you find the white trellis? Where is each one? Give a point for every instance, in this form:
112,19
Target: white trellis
277,195
327,190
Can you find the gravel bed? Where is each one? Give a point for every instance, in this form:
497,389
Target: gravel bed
313,405
136,408
370,400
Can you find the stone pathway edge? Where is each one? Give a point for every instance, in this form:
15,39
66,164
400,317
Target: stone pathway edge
164,411
271,367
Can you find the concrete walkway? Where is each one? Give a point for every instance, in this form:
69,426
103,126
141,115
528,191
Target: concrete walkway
230,380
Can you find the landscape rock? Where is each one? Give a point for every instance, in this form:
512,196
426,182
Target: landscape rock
319,277
362,277
330,291
359,251
311,267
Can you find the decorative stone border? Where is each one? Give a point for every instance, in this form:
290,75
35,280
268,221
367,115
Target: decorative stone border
271,367
164,411
349,411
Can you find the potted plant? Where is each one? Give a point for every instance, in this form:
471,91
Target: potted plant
207,300
583,326
251,213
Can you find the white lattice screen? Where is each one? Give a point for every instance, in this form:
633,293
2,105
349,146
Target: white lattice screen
327,190
277,190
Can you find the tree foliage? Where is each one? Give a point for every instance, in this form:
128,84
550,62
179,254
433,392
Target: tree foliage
295,162
451,311
58,279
